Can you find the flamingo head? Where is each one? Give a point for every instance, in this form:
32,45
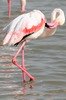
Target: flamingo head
58,16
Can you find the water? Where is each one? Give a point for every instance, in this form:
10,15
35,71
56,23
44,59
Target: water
45,59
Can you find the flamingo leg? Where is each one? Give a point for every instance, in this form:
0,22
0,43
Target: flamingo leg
22,67
9,8
23,4
24,75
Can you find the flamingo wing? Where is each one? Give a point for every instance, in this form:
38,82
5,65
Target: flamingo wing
24,25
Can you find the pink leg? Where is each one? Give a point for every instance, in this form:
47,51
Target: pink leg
24,75
9,8
31,77
22,67
23,4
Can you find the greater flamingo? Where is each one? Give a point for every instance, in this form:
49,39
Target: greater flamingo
23,5
31,26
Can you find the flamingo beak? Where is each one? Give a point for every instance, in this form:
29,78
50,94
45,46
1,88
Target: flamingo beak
9,8
53,25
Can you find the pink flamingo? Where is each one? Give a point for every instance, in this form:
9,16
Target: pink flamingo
23,5
30,26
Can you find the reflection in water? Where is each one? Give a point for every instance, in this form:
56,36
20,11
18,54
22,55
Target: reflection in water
26,87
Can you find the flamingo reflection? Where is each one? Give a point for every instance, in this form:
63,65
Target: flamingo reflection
28,86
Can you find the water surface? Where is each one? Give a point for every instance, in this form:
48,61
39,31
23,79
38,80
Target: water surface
45,59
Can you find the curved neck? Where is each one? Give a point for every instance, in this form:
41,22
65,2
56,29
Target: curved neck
56,13
58,16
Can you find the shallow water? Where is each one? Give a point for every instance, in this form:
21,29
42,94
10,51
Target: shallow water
45,59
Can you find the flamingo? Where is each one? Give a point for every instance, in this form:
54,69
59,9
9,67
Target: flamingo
23,5
31,26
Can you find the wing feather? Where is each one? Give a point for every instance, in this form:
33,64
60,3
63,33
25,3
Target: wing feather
23,25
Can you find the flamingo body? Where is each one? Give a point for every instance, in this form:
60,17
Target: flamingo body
30,24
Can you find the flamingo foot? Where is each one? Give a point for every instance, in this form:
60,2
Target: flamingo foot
31,79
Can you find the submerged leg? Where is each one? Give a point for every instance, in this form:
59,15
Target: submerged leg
9,8
22,67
